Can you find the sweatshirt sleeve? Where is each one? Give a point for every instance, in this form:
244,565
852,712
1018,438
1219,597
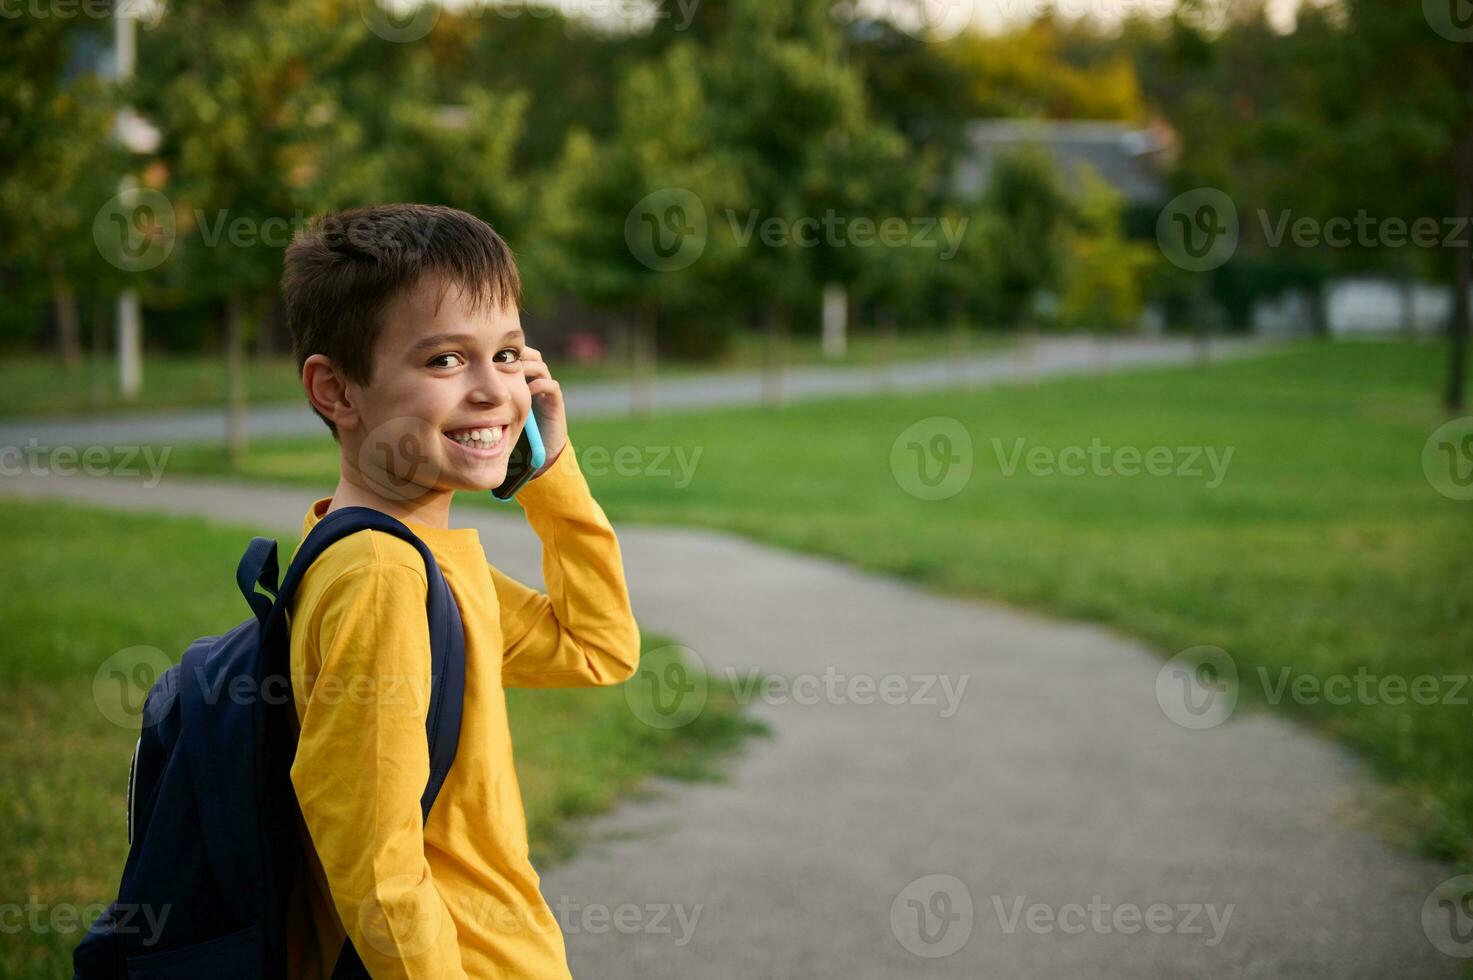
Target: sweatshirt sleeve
361,766
581,632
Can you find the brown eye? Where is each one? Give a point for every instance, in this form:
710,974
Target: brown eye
510,350
440,357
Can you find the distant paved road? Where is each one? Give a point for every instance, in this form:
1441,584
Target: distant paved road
1082,833
1054,357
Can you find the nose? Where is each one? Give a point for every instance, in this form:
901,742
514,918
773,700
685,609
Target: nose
488,384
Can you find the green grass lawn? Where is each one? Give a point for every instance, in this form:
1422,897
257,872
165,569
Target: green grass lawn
1324,550
87,583
33,386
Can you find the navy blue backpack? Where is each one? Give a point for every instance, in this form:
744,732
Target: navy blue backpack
212,815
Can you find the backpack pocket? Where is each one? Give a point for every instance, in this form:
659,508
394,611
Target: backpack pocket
233,956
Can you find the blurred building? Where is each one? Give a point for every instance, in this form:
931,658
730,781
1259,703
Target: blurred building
1132,159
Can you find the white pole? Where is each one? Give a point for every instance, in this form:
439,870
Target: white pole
130,318
835,314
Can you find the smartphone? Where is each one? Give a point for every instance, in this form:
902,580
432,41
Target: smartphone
527,456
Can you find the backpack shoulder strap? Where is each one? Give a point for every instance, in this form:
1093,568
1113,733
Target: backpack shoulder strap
447,635
447,647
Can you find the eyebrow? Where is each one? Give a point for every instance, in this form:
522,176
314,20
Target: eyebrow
436,340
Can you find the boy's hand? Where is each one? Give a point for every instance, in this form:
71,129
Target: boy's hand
547,404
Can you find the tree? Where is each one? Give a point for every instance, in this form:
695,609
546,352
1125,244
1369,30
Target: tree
626,224
1104,273
1030,72
793,115
1367,107
60,162
237,88
1026,244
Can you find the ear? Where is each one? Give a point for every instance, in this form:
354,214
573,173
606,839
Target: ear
327,390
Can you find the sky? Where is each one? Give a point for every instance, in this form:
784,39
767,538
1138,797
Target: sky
950,16
947,17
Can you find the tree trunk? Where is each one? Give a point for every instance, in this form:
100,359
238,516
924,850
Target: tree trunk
68,326
642,331
775,357
235,393
959,337
97,390
884,348
266,335
1408,284
1030,353
1457,328
1202,344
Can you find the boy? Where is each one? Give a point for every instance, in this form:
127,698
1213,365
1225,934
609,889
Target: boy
405,325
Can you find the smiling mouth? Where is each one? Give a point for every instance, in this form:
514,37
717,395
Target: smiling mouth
484,442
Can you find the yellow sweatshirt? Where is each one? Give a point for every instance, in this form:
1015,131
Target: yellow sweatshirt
454,896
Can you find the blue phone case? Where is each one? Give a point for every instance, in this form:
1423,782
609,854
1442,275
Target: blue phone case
539,454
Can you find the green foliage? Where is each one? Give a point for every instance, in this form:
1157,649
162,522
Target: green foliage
1030,72
1025,242
1104,273
582,237
239,91
59,163
554,131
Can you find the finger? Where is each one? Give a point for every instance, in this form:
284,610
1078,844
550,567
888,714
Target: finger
531,354
544,386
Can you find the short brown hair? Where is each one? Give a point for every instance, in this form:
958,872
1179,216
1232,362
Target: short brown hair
344,267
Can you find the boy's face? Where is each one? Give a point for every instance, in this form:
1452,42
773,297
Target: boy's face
440,379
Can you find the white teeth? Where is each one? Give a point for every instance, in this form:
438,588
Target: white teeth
479,438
